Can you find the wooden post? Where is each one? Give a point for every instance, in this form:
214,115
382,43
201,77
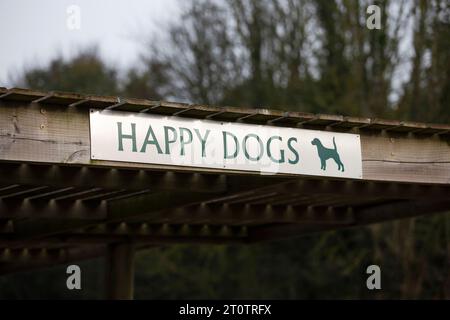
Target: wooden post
119,271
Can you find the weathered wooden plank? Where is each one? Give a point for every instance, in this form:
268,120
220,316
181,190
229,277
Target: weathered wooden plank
412,158
411,172
51,134
195,110
29,132
20,94
405,148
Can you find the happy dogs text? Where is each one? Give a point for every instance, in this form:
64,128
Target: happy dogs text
176,141
187,138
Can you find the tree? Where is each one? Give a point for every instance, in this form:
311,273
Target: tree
301,55
84,73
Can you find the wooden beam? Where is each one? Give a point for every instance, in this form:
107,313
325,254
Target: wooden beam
117,211
16,209
119,271
353,188
408,158
223,214
140,233
284,231
259,116
150,232
400,210
363,216
86,239
162,207
51,134
25,192
108,178
122,209
24,259
30,254
209,235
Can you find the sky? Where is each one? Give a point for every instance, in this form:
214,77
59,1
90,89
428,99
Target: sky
32,32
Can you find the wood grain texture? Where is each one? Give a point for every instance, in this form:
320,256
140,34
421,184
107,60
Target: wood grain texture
30,132
406,157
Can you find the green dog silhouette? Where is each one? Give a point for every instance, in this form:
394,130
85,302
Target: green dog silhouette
327,153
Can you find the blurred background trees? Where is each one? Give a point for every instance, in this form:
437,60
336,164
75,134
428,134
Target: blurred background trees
85,72
295,55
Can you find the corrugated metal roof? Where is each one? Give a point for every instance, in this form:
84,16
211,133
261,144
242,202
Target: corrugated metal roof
232,114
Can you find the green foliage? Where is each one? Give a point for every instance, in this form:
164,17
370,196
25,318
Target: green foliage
50,283
84,73
412,254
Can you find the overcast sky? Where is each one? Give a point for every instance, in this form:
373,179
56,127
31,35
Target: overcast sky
32,32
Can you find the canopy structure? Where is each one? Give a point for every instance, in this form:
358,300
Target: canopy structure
58,205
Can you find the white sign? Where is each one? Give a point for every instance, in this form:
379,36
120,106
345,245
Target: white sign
145,138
